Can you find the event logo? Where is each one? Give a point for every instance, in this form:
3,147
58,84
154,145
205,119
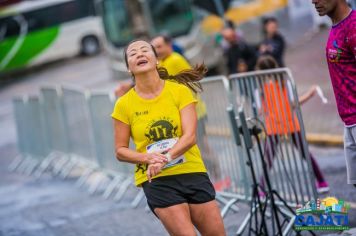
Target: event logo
335,54
326,214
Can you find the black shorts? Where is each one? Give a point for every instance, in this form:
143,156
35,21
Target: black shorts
166,191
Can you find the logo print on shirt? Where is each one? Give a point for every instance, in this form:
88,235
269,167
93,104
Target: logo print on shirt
161,129
156,131
335,55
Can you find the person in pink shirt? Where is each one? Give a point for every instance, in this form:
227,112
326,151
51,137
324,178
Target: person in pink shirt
341,58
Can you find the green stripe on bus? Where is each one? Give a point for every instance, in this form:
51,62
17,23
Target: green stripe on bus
32,46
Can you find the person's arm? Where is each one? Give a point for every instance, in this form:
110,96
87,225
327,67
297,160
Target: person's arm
308,95
186,141
122,151
123,87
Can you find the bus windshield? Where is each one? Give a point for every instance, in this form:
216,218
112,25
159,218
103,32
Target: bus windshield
171,17
117,25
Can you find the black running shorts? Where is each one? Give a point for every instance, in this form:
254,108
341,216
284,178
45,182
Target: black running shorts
166,191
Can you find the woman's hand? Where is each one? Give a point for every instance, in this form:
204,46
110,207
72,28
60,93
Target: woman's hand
155,157
153,170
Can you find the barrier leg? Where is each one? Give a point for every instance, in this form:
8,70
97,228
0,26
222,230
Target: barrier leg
112,185
31,167
15,163
138,199
96,184
24,164
67,169
245,222
59,165
229,205
44,165
123,188
84,177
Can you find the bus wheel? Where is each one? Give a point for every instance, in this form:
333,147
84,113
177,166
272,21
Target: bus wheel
90,46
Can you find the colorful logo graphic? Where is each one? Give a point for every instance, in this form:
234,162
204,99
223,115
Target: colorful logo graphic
335,54
323,214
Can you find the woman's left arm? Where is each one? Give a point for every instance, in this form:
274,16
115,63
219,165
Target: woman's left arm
188,118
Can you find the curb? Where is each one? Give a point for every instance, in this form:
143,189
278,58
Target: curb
330,140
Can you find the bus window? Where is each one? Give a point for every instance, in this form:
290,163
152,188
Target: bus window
56,15
117,25
8,27
172,17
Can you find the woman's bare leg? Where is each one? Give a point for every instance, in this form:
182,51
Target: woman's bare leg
176,219
207,218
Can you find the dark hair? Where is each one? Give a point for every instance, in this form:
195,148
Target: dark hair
230,24
189,77
166,38
266,62
267,20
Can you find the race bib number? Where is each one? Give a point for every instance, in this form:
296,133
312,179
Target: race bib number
163,147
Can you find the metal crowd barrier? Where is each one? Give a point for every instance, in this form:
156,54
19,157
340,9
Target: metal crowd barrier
100,106
67,128
32,142
224,160
56,132
269,98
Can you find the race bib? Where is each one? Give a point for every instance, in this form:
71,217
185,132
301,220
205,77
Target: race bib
163,147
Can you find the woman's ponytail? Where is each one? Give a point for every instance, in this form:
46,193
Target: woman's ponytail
189,77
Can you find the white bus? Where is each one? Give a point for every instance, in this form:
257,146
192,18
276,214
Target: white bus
34,32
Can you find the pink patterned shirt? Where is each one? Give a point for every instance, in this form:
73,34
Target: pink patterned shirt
341,57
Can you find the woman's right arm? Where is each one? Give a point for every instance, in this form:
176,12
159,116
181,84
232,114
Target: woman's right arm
122,151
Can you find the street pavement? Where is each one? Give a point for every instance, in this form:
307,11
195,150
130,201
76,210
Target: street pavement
51,206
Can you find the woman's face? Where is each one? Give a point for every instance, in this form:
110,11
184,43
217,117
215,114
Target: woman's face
140,57
271,27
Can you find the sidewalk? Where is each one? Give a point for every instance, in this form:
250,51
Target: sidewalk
308,65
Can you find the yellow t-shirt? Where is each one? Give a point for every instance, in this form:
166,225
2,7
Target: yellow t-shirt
174,64
152,120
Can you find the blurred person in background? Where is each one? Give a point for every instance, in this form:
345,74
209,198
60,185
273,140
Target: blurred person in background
273,42
220,40
341,58
159,109
167,57
240,56
280,119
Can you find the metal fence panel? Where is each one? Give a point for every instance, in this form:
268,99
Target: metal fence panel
57,132
270,99
100,108
20,121
80,136
221,155
38,146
